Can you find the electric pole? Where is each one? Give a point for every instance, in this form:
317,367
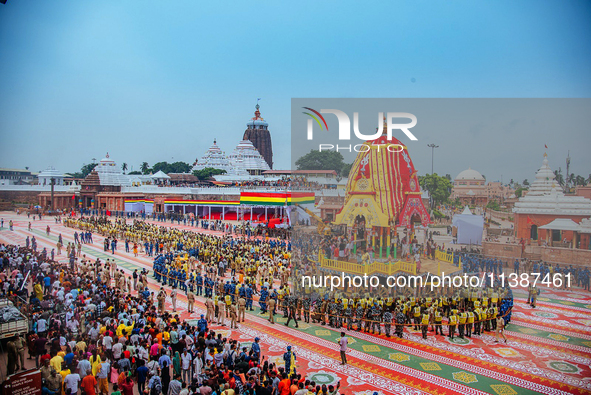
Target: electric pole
432,146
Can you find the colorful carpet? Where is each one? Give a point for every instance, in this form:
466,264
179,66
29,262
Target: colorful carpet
548,349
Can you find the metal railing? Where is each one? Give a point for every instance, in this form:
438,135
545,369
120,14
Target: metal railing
387,268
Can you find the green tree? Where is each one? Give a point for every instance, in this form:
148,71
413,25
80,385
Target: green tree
160,166
439,188
525,182
494,205
519,191
325,160
448,176
559,178
207,173
176,167
571,179
124,167
135,172
179,167
84,170
145,168
580,180
346,169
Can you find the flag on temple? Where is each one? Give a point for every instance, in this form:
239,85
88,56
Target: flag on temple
529,220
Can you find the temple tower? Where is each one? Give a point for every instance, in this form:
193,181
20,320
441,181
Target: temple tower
257,131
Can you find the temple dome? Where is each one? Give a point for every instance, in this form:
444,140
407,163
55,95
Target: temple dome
470,174
257,120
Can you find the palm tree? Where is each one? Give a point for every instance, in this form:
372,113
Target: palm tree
571,179
580,180
124,167
559,178
144,167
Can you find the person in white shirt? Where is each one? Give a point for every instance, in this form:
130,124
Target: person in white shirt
71,381
197,367
108,342
186,366
117,349
343,348
41,325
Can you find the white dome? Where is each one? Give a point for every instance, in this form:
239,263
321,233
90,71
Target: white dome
470,175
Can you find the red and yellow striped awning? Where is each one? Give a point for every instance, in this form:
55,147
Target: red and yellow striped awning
203,202
276,198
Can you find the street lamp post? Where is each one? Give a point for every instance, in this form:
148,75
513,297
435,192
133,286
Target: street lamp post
432,146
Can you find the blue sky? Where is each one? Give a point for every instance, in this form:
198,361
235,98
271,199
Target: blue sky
157,80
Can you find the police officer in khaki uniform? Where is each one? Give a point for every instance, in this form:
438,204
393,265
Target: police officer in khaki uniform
190,300
221,311
161,298
241,309
210,309
233,317
271,306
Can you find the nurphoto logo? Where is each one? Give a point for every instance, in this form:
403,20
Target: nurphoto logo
345,124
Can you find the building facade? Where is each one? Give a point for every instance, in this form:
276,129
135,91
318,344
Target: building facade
544,203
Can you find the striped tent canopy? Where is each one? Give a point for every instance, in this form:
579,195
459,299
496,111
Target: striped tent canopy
276,198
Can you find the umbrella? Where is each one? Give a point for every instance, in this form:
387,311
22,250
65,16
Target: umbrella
37,206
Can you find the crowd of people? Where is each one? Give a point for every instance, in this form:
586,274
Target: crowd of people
92,335
96,327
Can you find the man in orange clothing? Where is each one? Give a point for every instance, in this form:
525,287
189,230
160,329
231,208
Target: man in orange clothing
89,384
284,385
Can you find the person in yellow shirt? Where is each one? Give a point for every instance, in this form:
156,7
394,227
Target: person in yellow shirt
494,312
38,291
494,298
477,321
445,304
438,322
416,312
424,323
64,372
485,301
124,330
56,361
486,319
452,322
469,323
462,323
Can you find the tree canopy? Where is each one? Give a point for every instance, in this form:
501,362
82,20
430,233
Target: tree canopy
84,170
176,167
207,173
439,188
323,160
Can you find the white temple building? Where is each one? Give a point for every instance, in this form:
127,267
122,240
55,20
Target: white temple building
246,157
544,203
110,174
46,175
243,164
